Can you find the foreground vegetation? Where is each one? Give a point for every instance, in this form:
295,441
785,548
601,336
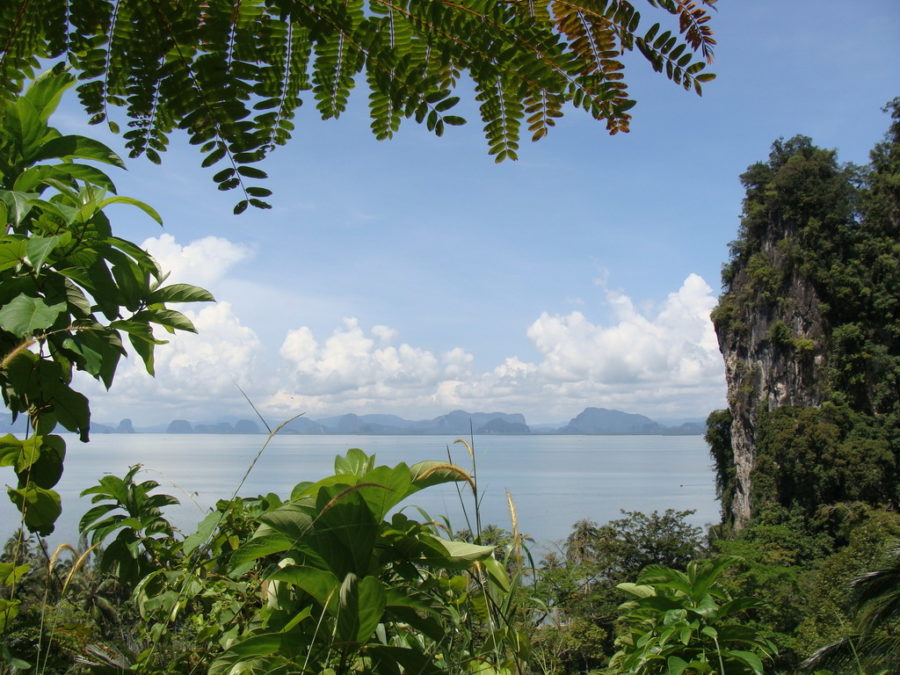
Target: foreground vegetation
333,579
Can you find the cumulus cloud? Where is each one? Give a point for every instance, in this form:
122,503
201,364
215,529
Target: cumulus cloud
661,362
202,262
351,360
196,374
678,345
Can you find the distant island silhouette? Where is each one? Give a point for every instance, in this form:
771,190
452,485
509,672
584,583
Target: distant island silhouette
591,421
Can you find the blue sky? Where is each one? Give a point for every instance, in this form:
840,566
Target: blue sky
415,276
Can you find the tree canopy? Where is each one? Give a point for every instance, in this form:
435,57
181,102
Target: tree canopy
232,74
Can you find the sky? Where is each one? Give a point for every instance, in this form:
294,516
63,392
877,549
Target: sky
415,276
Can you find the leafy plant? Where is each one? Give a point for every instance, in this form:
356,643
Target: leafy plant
873,645
69,289
685,622
345,585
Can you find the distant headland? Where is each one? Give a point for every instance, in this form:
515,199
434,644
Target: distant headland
591,421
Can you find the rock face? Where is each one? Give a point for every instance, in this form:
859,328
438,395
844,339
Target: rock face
773,357
771,321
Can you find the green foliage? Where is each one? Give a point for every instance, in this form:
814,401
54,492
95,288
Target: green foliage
232,76
579,589
69,288
328,579
809,457
718,438
832,613
687,622
131,511
780,334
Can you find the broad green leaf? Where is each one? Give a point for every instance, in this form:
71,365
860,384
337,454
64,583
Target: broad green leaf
497,573
203,532
143,345
70,407
748,658
322,585
40,507
39,248
60,174
12,252
30,130
428,473
9,610
637,590
18,204
12,448
10,573
165,317
47,89
354,463
76,299
384,487
258,547
24,315
180,293
259,645
146,208
460,550
47,468
289,519
77,147
345,531
372,601
675,665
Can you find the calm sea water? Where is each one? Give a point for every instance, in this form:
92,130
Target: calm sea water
554,480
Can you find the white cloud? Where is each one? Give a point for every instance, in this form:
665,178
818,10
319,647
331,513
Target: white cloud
202,262
197,375
663,362
350,360
677,345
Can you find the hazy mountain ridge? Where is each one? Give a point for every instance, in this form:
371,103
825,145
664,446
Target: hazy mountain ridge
591,421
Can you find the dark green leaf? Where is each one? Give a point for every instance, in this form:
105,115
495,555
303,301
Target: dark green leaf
24,315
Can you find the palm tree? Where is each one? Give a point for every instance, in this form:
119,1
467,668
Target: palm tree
874,645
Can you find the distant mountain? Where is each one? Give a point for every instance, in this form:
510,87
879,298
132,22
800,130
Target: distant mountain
216,428
98,428
179,427
366,424
125,427
591,421
246,427
460,422
501,426
239,427
303,426
603,421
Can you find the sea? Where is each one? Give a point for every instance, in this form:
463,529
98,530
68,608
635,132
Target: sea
553,481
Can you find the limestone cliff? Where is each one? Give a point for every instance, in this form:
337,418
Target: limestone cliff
773,351
809,326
